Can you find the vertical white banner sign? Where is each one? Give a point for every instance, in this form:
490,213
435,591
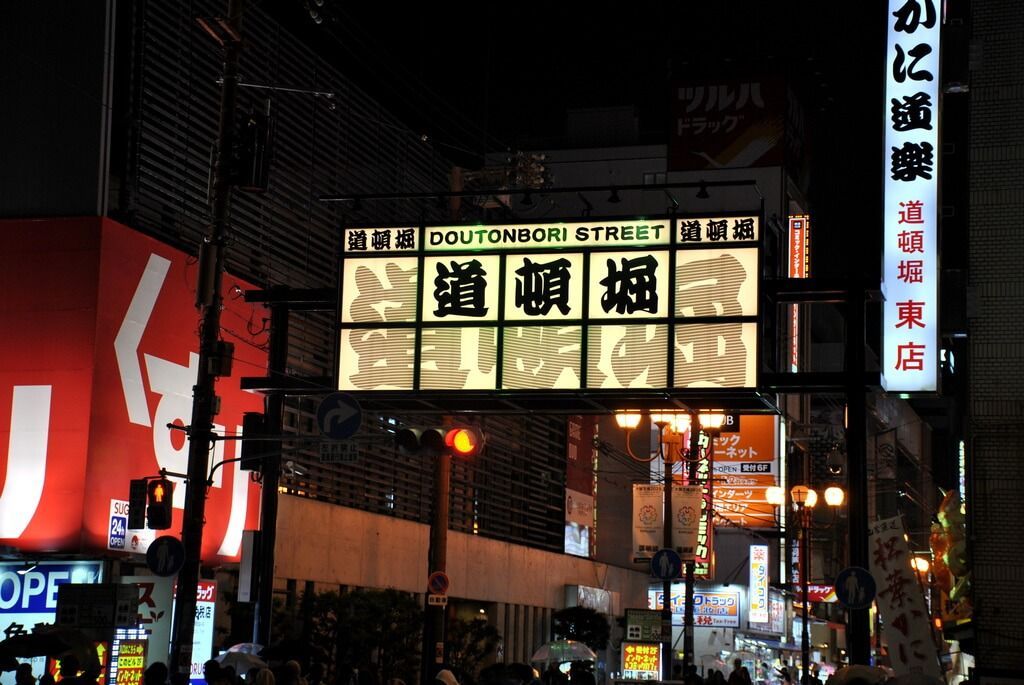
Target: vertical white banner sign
900,601
648,520
910,211
758,595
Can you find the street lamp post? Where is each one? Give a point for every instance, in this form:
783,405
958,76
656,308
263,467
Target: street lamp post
672,428
804,499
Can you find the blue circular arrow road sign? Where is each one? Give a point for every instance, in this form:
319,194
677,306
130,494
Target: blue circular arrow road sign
339,416
855,588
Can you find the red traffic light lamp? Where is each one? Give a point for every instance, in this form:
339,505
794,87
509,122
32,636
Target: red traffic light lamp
159,504
464,442
460,441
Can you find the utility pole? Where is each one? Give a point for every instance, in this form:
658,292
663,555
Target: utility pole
666,586
692,465
204,400
277,363
859,636
435,647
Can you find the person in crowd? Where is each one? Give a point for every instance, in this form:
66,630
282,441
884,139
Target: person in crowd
23,675
317,671
579,674
692,677
745,674
553,676
292,673
155,674
736,677
445,677
211,673
264,677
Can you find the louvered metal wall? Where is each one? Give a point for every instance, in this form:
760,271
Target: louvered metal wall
168,100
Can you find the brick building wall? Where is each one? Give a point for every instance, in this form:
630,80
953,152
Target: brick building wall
996,447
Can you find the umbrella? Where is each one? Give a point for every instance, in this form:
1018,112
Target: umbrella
52,641
915,679
848,674
246,648
560,651
712,661
240,661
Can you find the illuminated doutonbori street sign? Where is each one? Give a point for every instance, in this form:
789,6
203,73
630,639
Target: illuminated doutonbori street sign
666,303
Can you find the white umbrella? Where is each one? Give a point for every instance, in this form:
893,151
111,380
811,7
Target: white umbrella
846,674
561,651
247,648
240,661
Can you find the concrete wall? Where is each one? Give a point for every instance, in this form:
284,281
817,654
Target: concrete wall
333,545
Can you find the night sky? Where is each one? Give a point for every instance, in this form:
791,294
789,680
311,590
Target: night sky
487,76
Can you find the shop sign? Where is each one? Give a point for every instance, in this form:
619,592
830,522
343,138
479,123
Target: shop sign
704,554
777,617
202,637
643,625
587,306
910,271
746,465
153,612
129,663
711,609
29,598
99,357
641,661
758,593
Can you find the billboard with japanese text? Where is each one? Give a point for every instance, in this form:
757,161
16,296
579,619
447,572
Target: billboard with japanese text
727,124
910,270
746,465
98,357
603,307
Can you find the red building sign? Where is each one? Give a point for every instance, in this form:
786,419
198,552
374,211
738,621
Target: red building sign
98,356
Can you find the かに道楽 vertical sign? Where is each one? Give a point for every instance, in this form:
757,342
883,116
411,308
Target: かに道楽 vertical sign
910,254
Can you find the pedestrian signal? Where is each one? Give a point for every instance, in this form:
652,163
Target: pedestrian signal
137,494
159,504
461,441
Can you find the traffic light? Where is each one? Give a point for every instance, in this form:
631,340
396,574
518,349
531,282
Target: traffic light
160,504
254,448
461,441
137,495
464,442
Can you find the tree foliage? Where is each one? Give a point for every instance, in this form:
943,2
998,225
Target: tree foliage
376,631
469,643
583,624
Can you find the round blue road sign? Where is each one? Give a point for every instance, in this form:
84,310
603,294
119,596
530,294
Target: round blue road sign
666,564
339,416
165,556
855,588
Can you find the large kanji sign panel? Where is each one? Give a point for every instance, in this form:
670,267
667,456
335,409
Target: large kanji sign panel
99,355
911,172
666,303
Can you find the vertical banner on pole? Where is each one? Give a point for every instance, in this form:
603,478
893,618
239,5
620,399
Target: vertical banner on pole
704,554
758,594
907,627
686,515
648,520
